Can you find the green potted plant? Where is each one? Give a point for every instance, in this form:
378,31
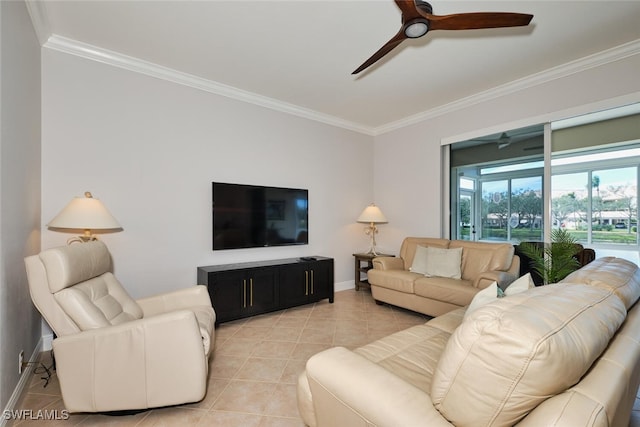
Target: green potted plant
556,261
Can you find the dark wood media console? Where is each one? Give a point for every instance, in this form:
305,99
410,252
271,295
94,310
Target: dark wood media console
250,288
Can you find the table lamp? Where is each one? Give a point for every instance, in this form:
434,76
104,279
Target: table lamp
85,213
372,215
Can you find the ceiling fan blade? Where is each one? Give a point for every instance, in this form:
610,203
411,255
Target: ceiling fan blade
408,9
478,20
388,47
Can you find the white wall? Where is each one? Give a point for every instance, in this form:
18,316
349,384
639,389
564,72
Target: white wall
149,149
408,161
19,188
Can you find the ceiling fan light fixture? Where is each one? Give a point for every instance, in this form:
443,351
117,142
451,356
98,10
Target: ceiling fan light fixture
416,28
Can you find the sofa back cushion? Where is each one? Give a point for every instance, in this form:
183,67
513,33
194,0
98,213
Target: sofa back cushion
410,245
617,274
481,256
512,354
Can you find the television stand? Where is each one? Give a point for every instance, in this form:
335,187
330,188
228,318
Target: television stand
249,288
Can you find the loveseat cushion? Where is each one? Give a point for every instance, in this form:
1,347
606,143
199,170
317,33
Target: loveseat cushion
398,280
453,291
481,256
622,277
512,354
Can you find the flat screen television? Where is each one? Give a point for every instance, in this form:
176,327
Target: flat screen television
250,216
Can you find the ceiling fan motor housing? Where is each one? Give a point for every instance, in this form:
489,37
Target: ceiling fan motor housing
424,6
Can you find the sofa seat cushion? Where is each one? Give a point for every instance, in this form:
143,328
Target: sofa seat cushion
617,274
412,354
454,291
398,280
512,354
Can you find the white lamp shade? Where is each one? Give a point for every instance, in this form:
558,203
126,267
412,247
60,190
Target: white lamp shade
85,213
372,214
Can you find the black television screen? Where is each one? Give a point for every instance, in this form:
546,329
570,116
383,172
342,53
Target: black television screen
249,216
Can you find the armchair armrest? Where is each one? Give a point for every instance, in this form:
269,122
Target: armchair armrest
145,363
388,263
486,278
190,297
350,390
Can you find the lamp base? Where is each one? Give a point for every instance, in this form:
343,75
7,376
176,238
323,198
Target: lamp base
81,239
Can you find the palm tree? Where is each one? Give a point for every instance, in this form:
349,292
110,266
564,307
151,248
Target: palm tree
595,183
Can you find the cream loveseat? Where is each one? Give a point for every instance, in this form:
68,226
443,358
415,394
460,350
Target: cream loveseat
402,281
565,354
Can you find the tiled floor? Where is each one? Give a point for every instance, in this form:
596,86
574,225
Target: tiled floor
254,368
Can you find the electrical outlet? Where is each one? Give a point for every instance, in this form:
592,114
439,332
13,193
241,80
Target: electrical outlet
20,361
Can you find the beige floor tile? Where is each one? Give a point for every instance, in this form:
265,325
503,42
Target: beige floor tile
292,371
245,396
281,422
275,349
230,419
262,369
284,402
317,336
224,366
172,416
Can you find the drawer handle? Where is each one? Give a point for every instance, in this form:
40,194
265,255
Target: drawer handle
244,293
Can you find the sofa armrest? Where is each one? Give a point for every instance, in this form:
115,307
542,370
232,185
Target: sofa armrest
388,263
145,363
504,278
193,296
350,390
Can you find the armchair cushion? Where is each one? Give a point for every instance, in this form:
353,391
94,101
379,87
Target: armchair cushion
68,265
98,302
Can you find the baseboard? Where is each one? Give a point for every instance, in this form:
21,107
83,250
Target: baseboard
344,286
47,341
24,382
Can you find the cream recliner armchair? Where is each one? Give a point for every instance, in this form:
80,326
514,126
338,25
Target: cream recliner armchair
113,352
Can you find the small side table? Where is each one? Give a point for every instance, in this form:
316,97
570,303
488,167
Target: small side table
364,263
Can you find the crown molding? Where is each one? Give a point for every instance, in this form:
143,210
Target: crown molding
94,53
119,60
39,19
601,58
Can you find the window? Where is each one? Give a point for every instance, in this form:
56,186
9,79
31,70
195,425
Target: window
594,170
498,194
597,200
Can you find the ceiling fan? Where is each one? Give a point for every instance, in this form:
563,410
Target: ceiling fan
507,138
417,20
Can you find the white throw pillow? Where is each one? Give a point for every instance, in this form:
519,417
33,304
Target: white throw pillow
493,292
520,285
419,264
444,263
485,296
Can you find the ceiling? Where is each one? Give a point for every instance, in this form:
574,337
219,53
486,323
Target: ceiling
298,56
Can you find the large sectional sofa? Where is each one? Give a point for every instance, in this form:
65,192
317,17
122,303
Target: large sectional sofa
401,282
565,354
